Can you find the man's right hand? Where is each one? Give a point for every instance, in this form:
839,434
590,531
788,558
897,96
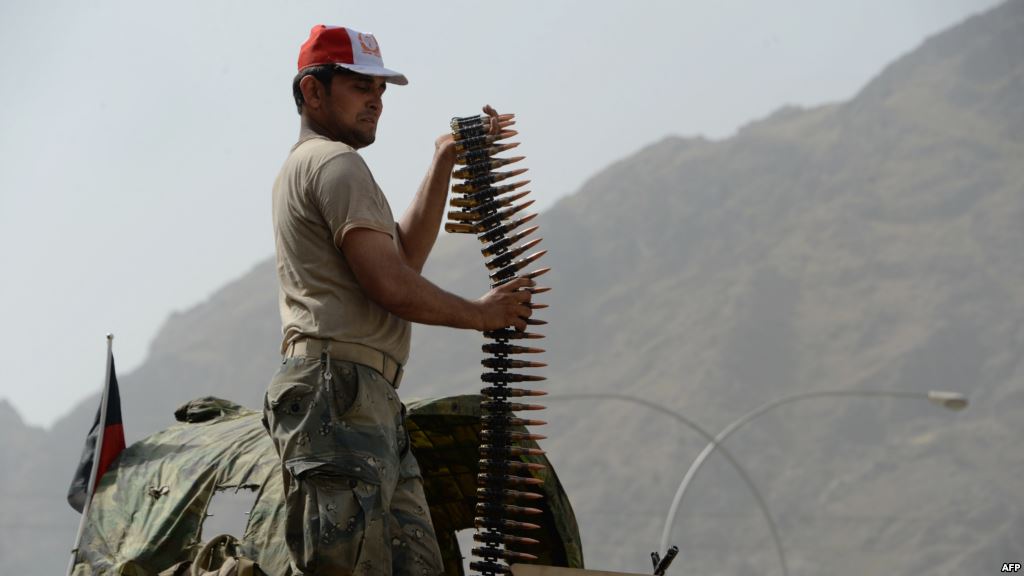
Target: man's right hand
506,305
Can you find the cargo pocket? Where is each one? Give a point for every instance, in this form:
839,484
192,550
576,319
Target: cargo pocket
330,523
303,409
324,524
293,384
290,408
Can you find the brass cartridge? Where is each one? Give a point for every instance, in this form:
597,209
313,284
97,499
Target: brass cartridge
470,131
484,166
498,509
537,273
489,479
511,269
512,406
501,523
508,363
490,221
495,494
505,466
498,538
509,378
496,436
506,554
458,122
507,420
499,231
503,451
467,144
473,156
499,348
479,183
503,259
498,246
491,192
480,205
461,228
506,392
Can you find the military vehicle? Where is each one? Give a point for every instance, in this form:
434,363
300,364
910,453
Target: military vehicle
156,505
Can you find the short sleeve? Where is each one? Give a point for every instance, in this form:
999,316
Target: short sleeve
348,197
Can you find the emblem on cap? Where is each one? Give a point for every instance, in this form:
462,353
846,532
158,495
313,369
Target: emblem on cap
369,44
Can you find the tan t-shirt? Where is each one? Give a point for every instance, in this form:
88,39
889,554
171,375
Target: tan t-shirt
325,190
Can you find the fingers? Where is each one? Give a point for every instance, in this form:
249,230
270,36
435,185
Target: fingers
521,284
490,111
495,127
523,312
522,292
511,304
498,121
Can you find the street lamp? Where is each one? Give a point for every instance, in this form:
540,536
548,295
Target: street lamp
711,442
949,400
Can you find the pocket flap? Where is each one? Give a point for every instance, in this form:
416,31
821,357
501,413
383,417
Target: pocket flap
342,464
287,391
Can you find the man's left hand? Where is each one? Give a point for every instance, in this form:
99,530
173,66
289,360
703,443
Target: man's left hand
444,146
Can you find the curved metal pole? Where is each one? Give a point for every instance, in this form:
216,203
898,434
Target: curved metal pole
738,423
712,441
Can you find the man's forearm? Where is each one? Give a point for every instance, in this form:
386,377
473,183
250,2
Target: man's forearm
412,297
418,228
394,285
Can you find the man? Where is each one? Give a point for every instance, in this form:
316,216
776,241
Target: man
350,284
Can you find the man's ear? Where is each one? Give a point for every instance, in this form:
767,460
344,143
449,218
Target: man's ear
312,91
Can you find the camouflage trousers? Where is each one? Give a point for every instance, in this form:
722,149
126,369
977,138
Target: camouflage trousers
354,499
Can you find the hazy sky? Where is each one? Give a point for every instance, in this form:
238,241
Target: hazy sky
139,140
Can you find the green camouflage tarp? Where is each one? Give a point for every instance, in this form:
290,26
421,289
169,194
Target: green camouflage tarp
148,510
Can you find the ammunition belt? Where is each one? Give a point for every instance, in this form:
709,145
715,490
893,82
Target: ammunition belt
485,205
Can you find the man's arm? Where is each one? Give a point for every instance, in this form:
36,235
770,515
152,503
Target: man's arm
398,288
419,225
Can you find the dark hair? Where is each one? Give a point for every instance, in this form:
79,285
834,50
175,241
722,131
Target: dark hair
324,73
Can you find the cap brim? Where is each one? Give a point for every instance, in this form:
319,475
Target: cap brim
389,75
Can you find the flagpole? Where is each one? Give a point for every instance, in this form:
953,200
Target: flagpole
96,454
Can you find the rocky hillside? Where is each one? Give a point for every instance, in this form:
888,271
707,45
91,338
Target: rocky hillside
867,245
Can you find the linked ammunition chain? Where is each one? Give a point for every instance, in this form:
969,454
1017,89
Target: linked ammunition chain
485,206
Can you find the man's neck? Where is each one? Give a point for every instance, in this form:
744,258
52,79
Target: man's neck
308,127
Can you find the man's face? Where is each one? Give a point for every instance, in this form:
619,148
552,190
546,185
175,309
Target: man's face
353,107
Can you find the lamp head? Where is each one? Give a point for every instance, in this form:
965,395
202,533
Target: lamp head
949,400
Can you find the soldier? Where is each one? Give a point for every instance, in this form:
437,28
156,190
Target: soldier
350,284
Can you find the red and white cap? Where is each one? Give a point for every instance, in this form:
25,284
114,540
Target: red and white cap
351,49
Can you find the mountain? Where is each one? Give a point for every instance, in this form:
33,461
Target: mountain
866,245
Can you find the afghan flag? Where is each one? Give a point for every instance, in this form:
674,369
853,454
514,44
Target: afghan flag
104,442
